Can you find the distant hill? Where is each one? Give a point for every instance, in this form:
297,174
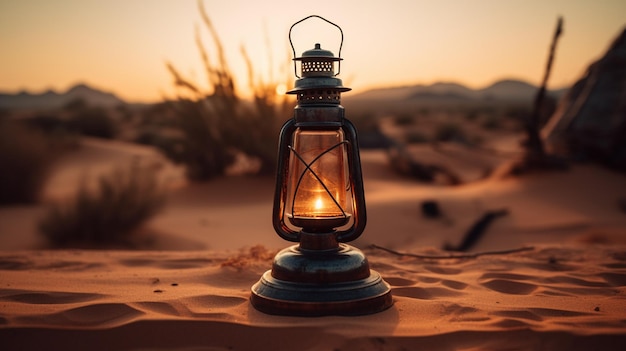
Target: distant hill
504,90
52,99
509,90
441,92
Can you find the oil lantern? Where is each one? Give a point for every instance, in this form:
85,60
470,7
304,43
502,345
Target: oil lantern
319,203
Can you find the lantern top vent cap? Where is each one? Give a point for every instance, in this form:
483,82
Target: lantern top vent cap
318,53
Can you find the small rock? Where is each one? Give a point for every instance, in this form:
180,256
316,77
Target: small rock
430,209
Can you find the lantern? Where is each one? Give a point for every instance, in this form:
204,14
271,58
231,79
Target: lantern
319,202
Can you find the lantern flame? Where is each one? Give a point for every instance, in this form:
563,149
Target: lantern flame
319,204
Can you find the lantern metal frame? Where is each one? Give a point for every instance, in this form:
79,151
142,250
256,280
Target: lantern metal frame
356,182
322,275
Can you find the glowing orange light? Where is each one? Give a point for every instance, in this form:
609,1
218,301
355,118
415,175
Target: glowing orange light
318,191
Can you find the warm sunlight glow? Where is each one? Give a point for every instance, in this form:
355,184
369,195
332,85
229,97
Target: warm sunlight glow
281,89
122,46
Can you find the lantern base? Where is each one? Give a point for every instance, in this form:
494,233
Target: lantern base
318,283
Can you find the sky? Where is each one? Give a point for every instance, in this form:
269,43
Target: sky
123,46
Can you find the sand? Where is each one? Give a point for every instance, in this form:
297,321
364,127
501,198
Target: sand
544,298
188,286
228,213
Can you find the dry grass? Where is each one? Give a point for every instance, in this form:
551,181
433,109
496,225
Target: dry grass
106,214
216,123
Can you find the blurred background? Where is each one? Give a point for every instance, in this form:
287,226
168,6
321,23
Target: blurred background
121,46
153,124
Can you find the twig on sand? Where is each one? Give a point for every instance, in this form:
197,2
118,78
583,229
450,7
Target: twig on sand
453,255
477,230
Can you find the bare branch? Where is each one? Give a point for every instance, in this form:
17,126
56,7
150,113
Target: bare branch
534,143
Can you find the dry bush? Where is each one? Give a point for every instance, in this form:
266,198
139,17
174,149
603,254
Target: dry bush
108,213
416,137
404,119
93,121
450,131
25,160
217,123
202,145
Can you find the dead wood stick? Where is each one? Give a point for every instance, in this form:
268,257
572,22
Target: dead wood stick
534,143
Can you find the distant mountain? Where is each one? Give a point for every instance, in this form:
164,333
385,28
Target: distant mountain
441,91
52,99
504,90
509,90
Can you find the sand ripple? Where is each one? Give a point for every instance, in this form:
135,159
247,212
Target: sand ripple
46,297
96,315
557,298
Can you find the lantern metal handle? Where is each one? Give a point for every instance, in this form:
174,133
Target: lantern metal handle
293,49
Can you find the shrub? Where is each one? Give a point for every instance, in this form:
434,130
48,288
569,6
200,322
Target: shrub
424,112
108,213
93,121
59,134
46,122
169,145
217,124
472,115
25,160
450,132
203,148
415,137
404,119
491,122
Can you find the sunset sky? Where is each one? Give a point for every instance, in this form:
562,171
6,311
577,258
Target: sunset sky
122,45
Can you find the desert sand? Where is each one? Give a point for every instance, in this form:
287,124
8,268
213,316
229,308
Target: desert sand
561,287
545,298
